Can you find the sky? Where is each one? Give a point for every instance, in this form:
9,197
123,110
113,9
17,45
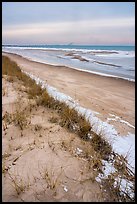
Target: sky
94,23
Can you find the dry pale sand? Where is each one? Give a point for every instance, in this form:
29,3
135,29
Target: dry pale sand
104,95
42,162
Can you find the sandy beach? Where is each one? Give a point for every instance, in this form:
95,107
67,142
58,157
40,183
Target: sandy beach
112,99
45,160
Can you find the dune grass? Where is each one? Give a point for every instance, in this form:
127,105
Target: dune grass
14,72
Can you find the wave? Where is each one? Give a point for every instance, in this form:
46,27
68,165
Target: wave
79,62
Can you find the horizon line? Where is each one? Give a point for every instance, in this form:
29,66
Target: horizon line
68,44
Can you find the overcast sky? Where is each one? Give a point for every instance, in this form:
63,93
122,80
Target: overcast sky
94,23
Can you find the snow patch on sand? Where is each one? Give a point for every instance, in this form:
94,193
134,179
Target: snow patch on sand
117,118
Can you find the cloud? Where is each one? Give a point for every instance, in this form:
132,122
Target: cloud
72,31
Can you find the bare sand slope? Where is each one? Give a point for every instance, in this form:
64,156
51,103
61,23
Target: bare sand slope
101,94
42,161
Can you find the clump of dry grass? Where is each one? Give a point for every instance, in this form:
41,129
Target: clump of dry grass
20,119
101,146
47,101
69,118
120,163
34,91
74,122
49,177
8,68
120,185
13,71
19,184
112,185
84,128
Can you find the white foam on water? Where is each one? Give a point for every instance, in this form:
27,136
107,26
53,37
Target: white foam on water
90,67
